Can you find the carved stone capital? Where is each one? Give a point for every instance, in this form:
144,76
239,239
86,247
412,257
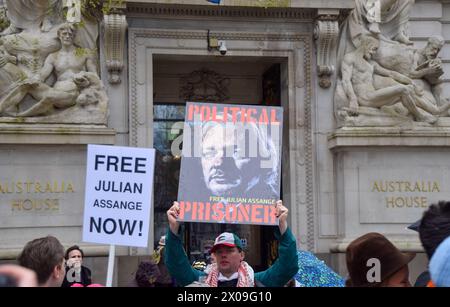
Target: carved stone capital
204,85
326,34
115,26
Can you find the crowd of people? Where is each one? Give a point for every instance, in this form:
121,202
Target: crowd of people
372,261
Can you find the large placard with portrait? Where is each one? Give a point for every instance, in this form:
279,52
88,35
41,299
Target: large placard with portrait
230,168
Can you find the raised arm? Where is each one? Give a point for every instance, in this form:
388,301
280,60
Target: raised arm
392,74
172,215
175,257
432,69
281,213
47,69
90,65
286,266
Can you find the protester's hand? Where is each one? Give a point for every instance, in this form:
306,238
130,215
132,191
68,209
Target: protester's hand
281,212
76,263
70,262
172,215
24,277
73,263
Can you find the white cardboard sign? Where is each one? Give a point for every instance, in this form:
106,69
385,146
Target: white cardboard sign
119,187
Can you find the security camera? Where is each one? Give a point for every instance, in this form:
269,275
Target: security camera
222,48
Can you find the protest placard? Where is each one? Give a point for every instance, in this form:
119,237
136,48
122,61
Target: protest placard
118,197
230,168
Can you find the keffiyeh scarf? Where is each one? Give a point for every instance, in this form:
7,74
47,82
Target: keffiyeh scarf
246,276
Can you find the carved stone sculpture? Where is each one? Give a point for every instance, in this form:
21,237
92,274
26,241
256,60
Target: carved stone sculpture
387,19
28,14
4,21
427,69
48,74
204,85
30,47
383,80
77,84
359,83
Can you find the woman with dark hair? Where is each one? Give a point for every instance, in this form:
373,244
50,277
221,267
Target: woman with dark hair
76,273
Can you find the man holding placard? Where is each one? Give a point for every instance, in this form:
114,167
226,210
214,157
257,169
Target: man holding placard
230,269
230,173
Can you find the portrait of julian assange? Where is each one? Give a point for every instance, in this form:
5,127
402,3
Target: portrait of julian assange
230,153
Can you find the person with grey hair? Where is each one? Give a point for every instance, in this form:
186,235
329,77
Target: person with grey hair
231,154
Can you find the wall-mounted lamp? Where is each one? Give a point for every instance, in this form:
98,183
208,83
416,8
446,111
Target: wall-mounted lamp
214,43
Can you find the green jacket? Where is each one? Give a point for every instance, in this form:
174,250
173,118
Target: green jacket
284,268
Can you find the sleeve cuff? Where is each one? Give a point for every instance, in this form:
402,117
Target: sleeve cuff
173,236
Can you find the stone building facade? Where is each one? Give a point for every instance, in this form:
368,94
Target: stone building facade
347,169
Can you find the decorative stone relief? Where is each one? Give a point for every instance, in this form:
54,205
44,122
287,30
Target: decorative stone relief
204,85
36,14
4,21
115,26
140,9
383,80
326,34
48,74
387,19
73,10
